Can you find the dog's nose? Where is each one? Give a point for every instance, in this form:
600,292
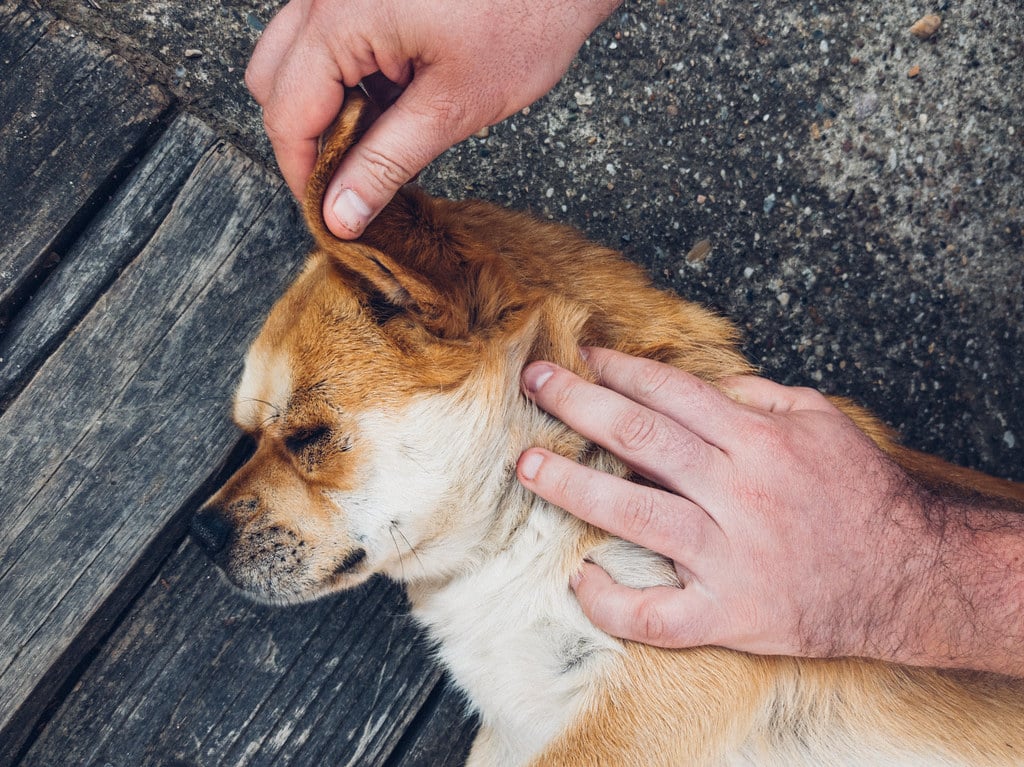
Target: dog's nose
211,529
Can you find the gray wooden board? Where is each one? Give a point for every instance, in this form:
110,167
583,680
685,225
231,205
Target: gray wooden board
101,251
125,422
442,735
197,675
71,117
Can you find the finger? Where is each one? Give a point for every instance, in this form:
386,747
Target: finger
667,524
775,398
684,398
271,49
660,615
307,95
657,446
421,124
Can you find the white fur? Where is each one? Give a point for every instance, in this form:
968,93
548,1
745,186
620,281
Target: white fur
430,477
264,389
437,506
516,641
432,509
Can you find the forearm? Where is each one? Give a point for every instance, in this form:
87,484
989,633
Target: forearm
969,610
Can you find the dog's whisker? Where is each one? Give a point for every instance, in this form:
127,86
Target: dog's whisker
398,549
412,548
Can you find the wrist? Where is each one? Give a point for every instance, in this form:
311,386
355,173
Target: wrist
965,607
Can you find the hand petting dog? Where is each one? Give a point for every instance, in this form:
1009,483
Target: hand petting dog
791,531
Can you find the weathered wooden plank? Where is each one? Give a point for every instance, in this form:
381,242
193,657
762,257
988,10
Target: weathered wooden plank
198,675
71,117
122,425
442,736
104,248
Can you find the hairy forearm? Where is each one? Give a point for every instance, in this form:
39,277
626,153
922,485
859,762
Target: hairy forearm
969,607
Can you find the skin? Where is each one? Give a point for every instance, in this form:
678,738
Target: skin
457,67
791,531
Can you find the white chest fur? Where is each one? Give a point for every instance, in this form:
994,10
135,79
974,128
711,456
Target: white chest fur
515,640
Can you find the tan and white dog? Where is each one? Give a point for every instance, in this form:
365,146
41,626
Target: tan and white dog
383,395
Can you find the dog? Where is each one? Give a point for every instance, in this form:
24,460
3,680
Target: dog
383,395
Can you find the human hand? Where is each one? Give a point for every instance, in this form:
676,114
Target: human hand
462,65
791,532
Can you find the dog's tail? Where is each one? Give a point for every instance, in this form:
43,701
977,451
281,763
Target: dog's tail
357,114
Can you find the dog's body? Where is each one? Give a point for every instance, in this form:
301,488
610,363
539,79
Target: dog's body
383,392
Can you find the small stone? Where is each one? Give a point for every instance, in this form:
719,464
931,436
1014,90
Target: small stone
584,98
783,298
701,199
914,71
699,251
815,132
193,53
865,106
483,133
254,22
926,26
768,204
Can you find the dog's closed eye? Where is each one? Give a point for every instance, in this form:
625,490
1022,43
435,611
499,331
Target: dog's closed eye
305,438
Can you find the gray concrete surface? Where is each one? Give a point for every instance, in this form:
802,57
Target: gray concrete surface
774,160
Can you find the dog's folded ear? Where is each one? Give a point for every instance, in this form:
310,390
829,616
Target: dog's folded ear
402,270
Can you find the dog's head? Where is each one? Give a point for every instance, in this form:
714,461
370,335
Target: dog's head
382,392
382,397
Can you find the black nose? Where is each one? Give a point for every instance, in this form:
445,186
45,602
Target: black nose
211,529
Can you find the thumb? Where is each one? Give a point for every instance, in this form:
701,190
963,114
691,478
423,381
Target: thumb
660,615
410,133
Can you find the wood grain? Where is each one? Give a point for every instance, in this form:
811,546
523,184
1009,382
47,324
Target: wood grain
72,118
201,676
123,425
104,248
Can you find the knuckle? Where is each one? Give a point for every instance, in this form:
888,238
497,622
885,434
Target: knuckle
647,618
386,173
563,487
810,398
636,429
253,84
764,430
639,512
653,379
561,393
272,122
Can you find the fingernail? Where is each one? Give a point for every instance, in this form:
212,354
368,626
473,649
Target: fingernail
536,375
351,210
530,465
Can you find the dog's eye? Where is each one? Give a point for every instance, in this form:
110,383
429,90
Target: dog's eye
302,439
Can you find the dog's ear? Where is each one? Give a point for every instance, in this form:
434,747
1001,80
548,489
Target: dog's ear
398,255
